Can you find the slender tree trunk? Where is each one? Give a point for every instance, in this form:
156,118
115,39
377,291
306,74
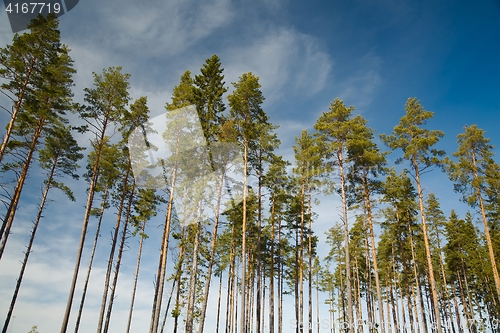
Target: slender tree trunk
297,281
374,255
310,250
212,256
301,259
280,282
9,217
113,248
468,315
259,226
445,283
168,306
430,268
469,298
396,283
119,258
350,314
136,276
178,276
89,269
160,279
415,273
192,280
262,301
231,283
271,268
88,208
28,249
243,242
357,290
422,307
218,303
317,301
457,312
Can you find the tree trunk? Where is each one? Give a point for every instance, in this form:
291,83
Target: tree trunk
94,246
136,276
271,268
350,314
88,208
212,255
259,226
167,307
301,260
28,249
310,249
160,279
280,283
192,280
417,283
243,242
374,254
218,303
178,275
430,268
9,217
119,258
113,248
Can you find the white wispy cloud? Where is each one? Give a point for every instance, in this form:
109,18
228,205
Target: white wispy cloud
287,62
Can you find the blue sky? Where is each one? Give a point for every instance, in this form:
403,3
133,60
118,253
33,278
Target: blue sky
373,55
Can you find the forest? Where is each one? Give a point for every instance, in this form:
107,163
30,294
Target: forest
396,261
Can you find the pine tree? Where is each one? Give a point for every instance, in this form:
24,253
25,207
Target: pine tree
106,104
368,163
208,92
339,130
470,176
182,97
246,112
59,157
45,108
307,157
416,143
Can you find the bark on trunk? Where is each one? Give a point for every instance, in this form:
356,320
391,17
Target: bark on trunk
350,314
136,276
212,256
88,208
430,268
113,248
28,249
119,258
89,268
11,212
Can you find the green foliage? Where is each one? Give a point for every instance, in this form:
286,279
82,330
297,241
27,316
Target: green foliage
106,101
246,110
475,166
415,141
208,91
